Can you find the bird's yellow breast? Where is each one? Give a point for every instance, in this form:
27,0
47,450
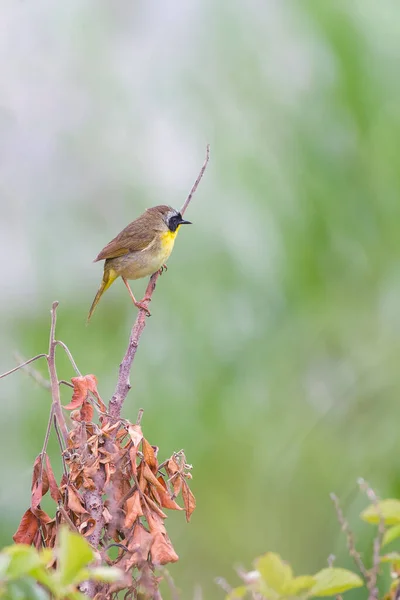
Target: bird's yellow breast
167,241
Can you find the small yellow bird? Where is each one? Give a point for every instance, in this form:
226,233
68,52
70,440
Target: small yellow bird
141,249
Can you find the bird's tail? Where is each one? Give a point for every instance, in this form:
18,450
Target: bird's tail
108,278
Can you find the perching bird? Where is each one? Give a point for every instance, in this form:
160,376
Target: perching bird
141,249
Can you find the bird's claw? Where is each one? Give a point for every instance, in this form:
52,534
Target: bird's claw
141,305
163,268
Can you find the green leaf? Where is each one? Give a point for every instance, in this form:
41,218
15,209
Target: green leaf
299,584
276,574
391,534
76,596
239,592
25,588
23,558
392,557
46,578
389,510
106,574
4,562
333,581
73,554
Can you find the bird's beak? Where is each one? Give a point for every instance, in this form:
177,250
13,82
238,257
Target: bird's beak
183,222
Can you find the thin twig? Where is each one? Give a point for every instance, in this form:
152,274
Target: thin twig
55,390
196,183
376,559
139,417
175,595
27,362
350,538
123,384
32,372
68,353
61,444
62,381
66,517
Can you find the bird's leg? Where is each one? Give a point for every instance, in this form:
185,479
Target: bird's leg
135,302
163,268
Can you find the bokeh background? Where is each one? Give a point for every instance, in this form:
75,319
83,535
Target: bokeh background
272,356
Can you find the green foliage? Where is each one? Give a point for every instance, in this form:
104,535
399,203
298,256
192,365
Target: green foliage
273,578
28,574
388,510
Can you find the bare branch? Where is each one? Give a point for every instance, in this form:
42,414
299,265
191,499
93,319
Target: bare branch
27,362
175,595
32,372
55,390
68,353
376,559
196,183
67,383
350,538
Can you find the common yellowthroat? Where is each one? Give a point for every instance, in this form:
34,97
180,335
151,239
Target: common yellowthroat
141,249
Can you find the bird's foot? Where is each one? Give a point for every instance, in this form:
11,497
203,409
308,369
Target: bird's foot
163,268
143,306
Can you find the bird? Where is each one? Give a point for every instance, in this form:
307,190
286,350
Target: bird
139,250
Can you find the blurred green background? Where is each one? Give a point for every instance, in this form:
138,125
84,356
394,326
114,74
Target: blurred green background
272,356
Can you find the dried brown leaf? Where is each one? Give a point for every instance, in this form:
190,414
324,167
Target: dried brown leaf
155,521
139,546
86,412
162,551
54,491
172,467
165,498
149,455
135,432
121,486
141,477
132,455
81,390
155,508
87,527
151,478
82,387
176,482
133,509
74,501
189,500
40,483
27,528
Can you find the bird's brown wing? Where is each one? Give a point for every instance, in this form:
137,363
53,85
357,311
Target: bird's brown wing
134,238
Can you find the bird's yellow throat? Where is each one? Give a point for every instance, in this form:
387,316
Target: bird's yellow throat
168,239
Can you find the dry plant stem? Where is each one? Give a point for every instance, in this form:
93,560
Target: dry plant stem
350,538
196,183
123,384
374,571
175,595
55,389
68,353
24,364
32,372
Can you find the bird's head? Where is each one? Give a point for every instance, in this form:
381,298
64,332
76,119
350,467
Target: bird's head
170,217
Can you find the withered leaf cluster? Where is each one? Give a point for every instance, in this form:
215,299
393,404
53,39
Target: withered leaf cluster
113,461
